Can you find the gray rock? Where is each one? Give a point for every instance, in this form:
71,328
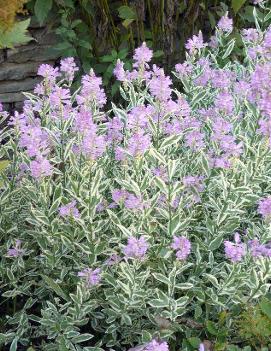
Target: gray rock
18,106
2,56
43,36
31,52
17,71
12,86
11,97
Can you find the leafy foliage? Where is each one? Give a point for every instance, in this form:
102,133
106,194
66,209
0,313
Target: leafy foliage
17,35
91,30
255,323
146,224
8,11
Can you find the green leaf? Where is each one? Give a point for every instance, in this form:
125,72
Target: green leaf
13,346
158,303
211,327
126,23
158,53
42,8
3,165
182,301
215,243
205,164
184,286
15,36
126,319
211,19
193,341
107,58
174,225
265,306
170,141
54,286
160,184
161,278
229,49
237,4
126,12
82,338
124,230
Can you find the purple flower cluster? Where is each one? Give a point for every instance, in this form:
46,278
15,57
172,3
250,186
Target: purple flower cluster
119,71
36,143
236,250
34,139
264,207
194,185
183,69
250,35
69,210
225,23
91,91
114,130
138,118
142,56
259,250
155,345
182,246
139,143
40,167
17,250
195,43
91,277
224,102
68,68
59,96
93,145
48,72
83,121
225,142
130,201
160,85
136,248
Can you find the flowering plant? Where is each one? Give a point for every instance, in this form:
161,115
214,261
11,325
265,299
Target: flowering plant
138,226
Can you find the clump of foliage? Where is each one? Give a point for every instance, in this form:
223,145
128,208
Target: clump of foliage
146,225
99,32
12,32
255,324
9,11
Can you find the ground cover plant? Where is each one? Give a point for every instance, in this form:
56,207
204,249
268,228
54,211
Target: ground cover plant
145,227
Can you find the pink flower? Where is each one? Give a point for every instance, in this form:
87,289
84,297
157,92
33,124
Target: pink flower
119,71
91,91
195,43
68,67
235,251
136,248
225,23
40,168
182,246
142,55
264,207
69,210
16,250
92,277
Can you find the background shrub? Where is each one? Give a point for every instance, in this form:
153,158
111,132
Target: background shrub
145,225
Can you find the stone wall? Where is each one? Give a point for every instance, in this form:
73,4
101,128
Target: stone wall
18,66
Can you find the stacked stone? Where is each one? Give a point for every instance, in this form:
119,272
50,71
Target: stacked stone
18,66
